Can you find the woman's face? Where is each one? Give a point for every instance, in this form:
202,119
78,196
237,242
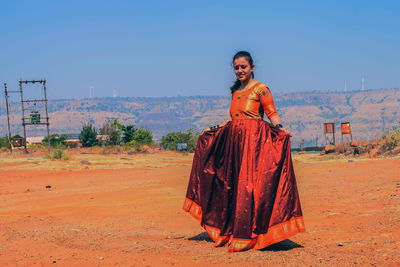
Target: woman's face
243,69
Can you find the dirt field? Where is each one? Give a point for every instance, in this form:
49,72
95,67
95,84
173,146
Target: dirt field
126,210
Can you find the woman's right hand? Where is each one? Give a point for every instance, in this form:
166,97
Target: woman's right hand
205,130
219,126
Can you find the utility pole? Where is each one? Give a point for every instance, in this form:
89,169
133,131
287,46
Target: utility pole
34,118
23,115
47,115
8,117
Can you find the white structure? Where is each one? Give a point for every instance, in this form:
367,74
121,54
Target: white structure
34,140
90,91
362,84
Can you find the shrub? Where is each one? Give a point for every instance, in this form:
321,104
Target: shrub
56,140
171,140
112,130
143,136
58,154
132,144
392,136
128,131
88,135
4,142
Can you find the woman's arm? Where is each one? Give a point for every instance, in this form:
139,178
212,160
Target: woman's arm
276,120
267,103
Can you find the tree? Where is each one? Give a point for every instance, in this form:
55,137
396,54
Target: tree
4,142
171,140
56,140
88,135
112,130
128,131
143,136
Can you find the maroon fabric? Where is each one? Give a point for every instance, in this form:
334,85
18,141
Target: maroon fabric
236,175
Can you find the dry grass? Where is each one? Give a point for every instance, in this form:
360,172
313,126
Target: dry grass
93,158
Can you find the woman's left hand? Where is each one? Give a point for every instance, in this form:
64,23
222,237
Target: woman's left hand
286,131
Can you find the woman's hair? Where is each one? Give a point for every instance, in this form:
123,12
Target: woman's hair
239,54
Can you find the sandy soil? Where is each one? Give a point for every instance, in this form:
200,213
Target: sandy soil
125,210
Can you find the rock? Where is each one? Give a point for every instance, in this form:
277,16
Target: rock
354,144
340,245
101,258
373,153
329,148
85,162
302,152
146,148
42,219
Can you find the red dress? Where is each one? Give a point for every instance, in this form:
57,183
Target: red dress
242,185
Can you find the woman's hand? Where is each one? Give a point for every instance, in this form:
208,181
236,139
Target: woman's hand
276,121
223,124
218,126
286,131
205,130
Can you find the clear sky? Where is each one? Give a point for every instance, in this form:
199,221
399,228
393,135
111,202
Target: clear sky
169,48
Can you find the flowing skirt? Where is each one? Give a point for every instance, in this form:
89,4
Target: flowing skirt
242,186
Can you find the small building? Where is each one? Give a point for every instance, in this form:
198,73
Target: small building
72,140
34,140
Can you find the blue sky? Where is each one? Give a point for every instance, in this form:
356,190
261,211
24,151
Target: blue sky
169,48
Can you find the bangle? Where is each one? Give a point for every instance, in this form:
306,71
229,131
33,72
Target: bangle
279,125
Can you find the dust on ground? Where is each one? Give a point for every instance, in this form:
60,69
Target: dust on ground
126,210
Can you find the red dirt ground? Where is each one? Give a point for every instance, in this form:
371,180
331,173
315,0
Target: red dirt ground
134,217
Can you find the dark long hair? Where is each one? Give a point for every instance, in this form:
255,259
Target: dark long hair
239,54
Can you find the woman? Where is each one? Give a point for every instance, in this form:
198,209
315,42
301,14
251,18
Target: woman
242,185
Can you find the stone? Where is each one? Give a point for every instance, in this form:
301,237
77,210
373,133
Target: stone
329,148
373,153
354,144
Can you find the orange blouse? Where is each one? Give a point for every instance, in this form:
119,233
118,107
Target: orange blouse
252,103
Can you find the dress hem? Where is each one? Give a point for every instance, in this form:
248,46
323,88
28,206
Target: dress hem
275,234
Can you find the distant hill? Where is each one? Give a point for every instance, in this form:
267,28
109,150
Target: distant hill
369,112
